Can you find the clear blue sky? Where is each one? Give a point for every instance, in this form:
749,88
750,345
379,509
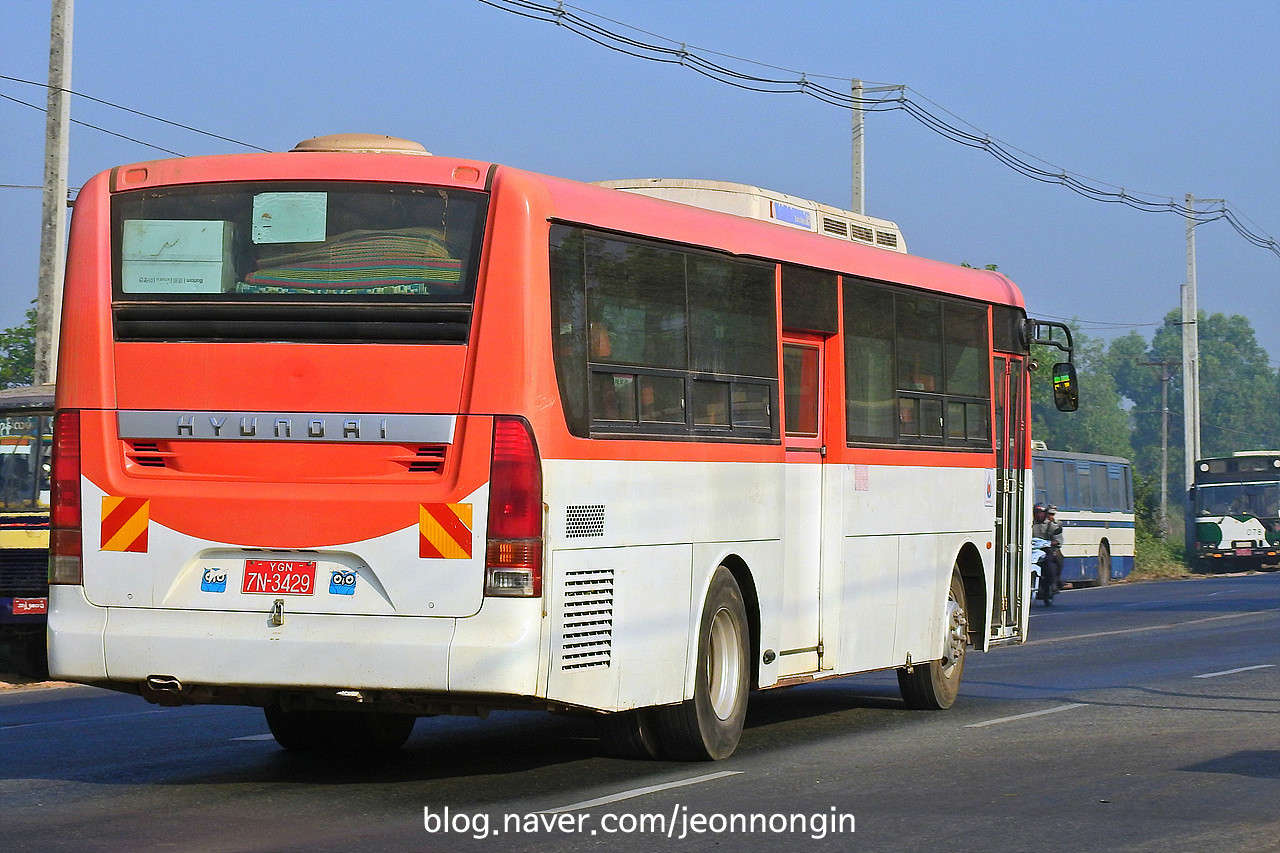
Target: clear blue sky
1163,98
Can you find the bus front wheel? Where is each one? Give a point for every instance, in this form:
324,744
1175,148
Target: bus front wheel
708,726
935,685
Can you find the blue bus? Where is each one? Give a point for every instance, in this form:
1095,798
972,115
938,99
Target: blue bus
1094,497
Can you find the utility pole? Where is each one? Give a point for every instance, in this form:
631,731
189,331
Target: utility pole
1190,353
1165,373
53,220
859,152
859,142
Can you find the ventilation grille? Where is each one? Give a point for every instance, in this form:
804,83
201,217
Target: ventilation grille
837,227
583,521
887,238
147,454
24,571
863,233
429,459
586,629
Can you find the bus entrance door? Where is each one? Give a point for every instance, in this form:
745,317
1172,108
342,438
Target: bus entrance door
1009,605
800,641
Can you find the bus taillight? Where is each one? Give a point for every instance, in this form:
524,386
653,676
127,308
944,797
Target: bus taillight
513,556
64,542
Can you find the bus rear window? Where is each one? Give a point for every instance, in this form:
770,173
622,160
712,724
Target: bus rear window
295,261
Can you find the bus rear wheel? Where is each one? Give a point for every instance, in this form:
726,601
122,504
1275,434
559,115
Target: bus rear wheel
708,726
1104,564
334,730
632,734
935,685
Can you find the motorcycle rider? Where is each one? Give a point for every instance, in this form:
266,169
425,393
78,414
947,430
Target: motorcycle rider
1045,526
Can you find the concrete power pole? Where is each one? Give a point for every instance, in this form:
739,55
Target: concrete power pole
859,152
53,220
1190,354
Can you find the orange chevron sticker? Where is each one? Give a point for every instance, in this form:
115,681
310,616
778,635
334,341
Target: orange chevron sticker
124,524
444,531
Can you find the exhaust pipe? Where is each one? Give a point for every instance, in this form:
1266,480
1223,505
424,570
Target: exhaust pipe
162,690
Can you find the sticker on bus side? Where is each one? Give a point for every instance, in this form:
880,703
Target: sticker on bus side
124,524
214,580
444,531
342,582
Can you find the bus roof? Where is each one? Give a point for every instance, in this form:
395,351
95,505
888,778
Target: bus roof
628,212
29,397
1079,457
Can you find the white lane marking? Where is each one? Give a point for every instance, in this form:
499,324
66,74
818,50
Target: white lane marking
640,792
1234,671
82,719
267,736
1028,716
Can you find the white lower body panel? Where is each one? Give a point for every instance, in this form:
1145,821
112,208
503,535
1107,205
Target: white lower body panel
499,650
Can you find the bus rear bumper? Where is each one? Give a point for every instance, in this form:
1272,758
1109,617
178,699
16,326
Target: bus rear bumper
496,651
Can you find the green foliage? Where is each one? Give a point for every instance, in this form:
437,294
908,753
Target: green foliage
1121,413
1239,392
1156,558
18,353
1101,424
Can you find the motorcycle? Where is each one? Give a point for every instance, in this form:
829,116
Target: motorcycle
1041,578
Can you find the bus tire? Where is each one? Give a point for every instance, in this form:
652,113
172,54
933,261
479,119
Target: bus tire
934,686
708,726
302,730
632,734
1104,564
333,730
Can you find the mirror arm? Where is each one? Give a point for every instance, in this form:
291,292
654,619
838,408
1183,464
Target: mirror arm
1035,328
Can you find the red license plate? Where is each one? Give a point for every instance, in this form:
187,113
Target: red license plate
279,577
29,606
1244,552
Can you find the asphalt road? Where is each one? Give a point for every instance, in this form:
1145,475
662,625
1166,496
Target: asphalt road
1139,717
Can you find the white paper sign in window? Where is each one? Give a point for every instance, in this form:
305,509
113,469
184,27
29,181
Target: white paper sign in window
289,217
176,256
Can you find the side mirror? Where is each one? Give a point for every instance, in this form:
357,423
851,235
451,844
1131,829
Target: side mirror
1066,393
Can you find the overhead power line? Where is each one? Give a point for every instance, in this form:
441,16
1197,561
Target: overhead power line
884,99
93,126
130,110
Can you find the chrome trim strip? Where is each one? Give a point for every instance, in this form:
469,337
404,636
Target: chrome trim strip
287,426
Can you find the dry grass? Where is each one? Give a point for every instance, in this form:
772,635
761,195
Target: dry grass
1155,559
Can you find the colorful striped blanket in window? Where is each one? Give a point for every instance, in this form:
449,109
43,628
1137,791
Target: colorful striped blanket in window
402,261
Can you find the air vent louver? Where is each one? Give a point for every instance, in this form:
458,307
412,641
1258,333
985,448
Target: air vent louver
584,521
863,233
835,227
429,459
586,628
146,454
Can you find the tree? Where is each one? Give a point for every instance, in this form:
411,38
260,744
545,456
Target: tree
1239,392
1101,424
18,353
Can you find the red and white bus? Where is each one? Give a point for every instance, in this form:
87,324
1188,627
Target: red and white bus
357,434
